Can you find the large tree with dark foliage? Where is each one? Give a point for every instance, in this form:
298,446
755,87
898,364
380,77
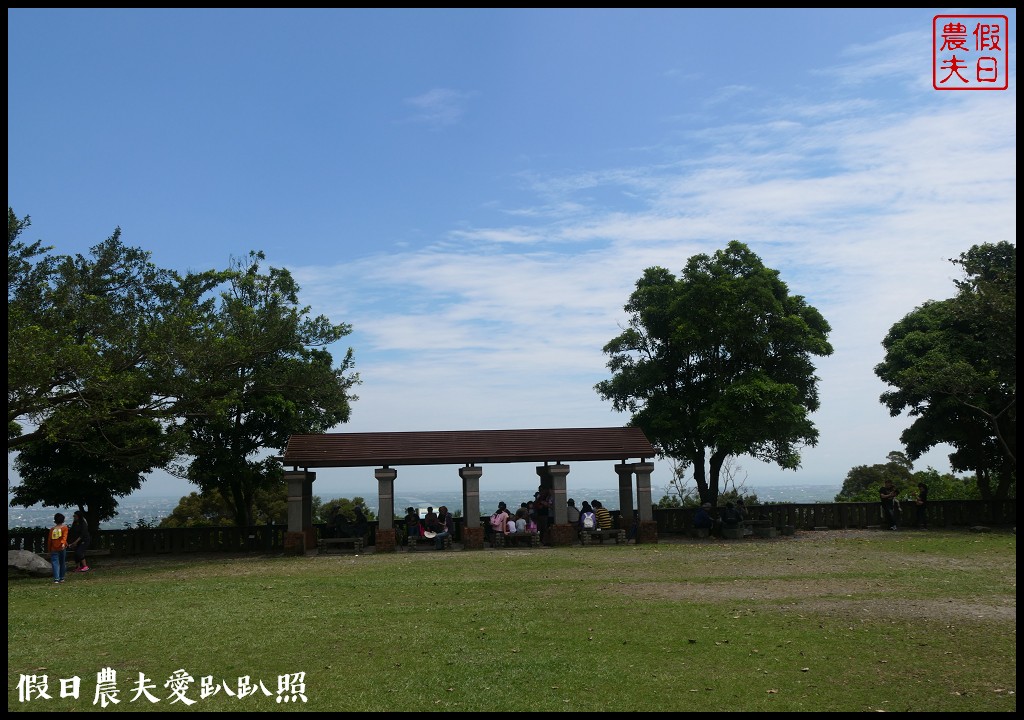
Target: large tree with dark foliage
271,376
83,474
717,363
952,365
95,340
117,366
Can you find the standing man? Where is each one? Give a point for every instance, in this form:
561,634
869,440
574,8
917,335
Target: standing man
921,505
79,540
57,544
887,495
544,502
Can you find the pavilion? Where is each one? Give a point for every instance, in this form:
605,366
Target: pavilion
471,449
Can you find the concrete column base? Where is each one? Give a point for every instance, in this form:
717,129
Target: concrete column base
473,538
297,543
385,540
647,533
562,535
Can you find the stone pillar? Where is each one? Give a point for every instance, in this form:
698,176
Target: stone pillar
543,522
647,532
625,473
385,539
544,473
472,533
558,486
561,532
301,535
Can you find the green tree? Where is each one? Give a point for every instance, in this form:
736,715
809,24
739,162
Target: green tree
198,510
862,482
718,363
952,366
266,375
96,349
209,509
342,510
945,486
80,474
94,340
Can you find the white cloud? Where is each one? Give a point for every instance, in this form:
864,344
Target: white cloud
860,209
438,107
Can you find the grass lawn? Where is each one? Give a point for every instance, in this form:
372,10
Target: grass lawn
860,621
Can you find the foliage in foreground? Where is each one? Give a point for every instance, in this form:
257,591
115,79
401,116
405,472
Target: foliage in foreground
897,622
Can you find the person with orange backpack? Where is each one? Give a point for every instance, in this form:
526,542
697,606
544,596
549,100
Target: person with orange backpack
57,545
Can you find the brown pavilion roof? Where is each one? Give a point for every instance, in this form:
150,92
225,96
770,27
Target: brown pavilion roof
466,447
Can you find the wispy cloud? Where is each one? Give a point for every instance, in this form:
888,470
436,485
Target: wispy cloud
859,207
439,107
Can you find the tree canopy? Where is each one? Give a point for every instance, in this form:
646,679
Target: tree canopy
83,474
863,482
951,365
272,377
116,367
95,340
718,363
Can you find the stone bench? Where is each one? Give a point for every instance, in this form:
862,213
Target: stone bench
501,540
328,545
587,537
413,541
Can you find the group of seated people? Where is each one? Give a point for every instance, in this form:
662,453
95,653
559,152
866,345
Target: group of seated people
732,516
533,517
357,527
592,515
536,516
436,526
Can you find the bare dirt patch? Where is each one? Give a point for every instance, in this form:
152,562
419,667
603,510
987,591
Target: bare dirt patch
797,571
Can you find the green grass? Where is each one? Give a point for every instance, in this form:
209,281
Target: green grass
894,622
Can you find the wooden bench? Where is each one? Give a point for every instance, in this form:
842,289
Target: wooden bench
587,537
327,545
501,540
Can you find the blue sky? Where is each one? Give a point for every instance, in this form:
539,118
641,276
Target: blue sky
477,191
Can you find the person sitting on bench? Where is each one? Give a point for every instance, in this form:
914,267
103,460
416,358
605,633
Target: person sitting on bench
355,529
604,518
731,517
702,519
444,527
412,524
